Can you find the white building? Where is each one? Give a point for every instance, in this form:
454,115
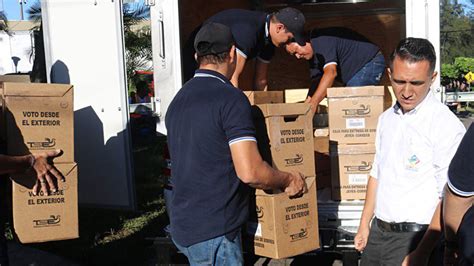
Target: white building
16,50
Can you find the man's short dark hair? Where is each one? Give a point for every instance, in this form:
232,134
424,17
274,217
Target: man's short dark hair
415,50
214,59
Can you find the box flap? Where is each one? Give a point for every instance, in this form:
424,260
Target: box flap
345,92
15,78
282,109
310,181
35,89
352,148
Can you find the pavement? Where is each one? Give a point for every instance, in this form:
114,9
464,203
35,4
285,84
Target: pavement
467,120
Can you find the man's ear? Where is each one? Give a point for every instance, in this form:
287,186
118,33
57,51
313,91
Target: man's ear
433,77
195,57
279,27
232,54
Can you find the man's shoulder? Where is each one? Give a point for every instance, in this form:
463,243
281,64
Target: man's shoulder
237,15
440,112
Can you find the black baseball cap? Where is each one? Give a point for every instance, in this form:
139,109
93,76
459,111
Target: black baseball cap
294,21
213,38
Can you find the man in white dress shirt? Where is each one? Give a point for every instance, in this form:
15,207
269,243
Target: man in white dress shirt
415,142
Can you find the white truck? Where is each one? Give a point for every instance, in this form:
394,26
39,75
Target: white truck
84,46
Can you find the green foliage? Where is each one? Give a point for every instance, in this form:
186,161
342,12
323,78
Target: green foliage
464,64
34,12
138,51
456,31
4,23
448,71
460,67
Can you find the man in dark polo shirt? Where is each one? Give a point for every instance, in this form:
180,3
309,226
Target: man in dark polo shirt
256,34
214,155
339,53
458,210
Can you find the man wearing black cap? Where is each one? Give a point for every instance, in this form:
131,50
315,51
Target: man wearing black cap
458,209
339,53
256,35
214,156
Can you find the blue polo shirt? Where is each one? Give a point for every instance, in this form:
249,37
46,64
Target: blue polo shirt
349,50
250,30
461,182
205,117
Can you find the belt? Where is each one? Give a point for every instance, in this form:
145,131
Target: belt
400,227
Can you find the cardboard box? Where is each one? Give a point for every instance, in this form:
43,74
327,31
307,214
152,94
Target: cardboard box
282,227
350,170
322,162
353,113
263,97
285,136
15,78
45,218
39,117
300,95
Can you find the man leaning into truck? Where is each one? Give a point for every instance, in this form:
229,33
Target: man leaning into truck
342,54
211,138
256,35
415,141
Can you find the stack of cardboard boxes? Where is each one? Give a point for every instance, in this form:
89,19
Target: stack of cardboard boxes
281,227
353,117
38,118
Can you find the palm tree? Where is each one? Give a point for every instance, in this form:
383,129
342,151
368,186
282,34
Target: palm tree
138,51
4,23
38,73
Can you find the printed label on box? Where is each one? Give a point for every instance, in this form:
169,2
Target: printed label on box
357,179
355,123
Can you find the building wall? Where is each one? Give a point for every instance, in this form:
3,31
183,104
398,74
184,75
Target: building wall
19,45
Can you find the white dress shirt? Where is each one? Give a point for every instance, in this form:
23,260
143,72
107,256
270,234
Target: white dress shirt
413,152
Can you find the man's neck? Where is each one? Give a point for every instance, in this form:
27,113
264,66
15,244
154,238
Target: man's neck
220,68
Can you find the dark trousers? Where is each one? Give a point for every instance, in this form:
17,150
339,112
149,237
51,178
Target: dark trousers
389,248
5,210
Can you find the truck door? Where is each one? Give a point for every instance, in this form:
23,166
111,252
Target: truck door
166,56
84,46
422,21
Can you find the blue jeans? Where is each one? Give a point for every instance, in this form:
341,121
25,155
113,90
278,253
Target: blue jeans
216,251
370,73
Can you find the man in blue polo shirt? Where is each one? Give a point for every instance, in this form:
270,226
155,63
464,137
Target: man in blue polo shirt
256,35
339,53
458,209
211,139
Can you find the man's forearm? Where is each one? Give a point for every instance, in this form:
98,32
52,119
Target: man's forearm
454,208
13,164
268,178
369,205
432,234
260,85
260,82
321,91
